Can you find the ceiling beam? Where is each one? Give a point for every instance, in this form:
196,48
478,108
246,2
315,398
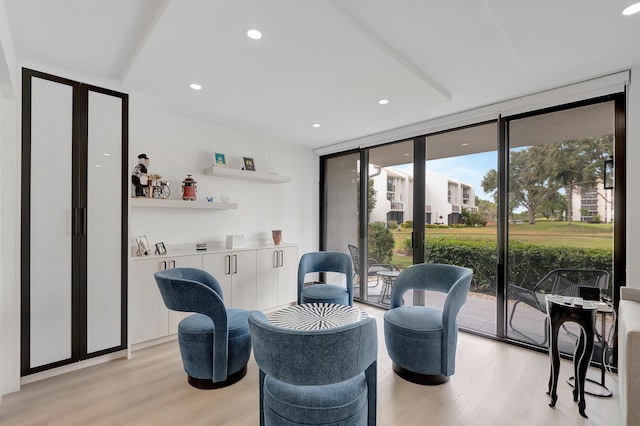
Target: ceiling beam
391,51
142,37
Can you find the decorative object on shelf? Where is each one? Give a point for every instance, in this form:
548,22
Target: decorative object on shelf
201,246
219,160
189,188
248,164
143,246
139,177
225,198
160,248
209,199
276,234
236,241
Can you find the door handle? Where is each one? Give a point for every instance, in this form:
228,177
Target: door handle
275,259
227,266
281,255
235,264
174,264
163,265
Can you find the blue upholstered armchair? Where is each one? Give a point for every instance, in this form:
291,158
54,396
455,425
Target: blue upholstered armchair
315,377
422,341
215,344
325,261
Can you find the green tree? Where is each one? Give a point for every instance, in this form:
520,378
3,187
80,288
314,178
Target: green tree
381,242
371,196
553,206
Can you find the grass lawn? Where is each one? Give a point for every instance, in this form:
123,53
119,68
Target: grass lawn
544,233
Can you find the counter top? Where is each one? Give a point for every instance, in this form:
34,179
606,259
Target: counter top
212,247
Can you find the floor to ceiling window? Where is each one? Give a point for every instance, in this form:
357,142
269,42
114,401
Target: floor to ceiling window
560,213
513,199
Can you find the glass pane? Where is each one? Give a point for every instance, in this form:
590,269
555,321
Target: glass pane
560,215
460,216
390,213
341,192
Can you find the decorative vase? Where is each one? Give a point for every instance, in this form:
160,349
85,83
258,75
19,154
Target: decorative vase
277,237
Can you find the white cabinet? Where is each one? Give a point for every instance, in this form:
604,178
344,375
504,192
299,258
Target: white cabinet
236,274
277,271
148,316
254,278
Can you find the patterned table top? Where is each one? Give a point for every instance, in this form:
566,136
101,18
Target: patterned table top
316,316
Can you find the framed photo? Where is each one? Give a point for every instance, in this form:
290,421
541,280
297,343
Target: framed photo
160,248
143,246
219,160
608,174
248,164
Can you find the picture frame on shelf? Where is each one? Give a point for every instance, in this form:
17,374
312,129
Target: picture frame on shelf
219,160
143,246
160,248
249,164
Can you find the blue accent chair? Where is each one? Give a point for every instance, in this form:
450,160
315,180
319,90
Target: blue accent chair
215,343
325,261
316,377
422,341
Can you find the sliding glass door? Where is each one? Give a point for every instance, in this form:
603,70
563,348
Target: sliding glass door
515,200
560,213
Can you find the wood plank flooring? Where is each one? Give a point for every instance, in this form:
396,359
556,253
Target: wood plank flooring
494,384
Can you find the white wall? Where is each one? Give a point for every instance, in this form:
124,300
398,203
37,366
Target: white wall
9,248
178,146
633,177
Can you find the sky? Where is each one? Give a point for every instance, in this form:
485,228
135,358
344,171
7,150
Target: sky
469,169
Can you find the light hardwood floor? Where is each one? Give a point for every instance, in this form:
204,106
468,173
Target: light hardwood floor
494,384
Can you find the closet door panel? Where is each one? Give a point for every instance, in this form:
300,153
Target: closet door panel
104,221
50,237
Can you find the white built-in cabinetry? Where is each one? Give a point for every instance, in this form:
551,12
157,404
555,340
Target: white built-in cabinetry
251,278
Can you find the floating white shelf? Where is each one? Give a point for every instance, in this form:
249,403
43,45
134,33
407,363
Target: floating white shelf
245,174
180,204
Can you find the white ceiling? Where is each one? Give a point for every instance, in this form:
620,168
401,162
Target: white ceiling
323,61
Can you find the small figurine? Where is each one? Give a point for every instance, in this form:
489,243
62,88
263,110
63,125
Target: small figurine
189,188
139,177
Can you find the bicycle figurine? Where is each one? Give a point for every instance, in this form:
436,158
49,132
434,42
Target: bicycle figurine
160,189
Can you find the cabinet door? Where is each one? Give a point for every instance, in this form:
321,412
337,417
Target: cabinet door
243,281
148,316
50,274
194,261
219,265
267,278
288,276
104,211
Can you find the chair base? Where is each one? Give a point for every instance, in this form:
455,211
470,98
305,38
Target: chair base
209,384
420,379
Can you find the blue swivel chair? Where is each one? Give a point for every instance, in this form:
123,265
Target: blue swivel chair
422,341
215,343
316,377
325,261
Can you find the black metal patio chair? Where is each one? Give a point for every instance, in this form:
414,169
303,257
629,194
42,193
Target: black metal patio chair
373,267
564,282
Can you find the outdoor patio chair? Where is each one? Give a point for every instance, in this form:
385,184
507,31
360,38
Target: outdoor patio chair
373,267
564,282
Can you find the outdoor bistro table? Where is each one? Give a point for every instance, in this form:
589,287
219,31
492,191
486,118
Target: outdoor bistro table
316,316
585,316
388,280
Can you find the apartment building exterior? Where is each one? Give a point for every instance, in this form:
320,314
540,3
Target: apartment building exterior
445,197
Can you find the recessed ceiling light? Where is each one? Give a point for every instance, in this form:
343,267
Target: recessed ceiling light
315,125
195,86
106,154
406,155
254,34
98,165
465,144
383,101
633,9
